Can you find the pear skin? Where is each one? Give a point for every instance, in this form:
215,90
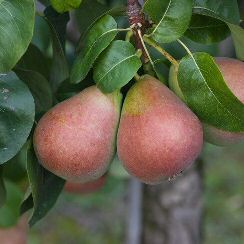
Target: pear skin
76,138
158,136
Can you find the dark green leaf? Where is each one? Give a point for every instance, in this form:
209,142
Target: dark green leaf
9,213
39,87
17,111
59,69
224,10
27,202
33,59
16,25
98,38
207,94
89,11
172,18
158,68
116,66
207,30
2,188
238,38
45,187
15,168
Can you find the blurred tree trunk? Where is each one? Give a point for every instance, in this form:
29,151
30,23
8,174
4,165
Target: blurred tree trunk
172,211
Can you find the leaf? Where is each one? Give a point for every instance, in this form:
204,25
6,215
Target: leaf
16,25
45,187
9,213
224,10
15,168
89,11
33,59
208,95
116,66
97,39
2,188
238,38
210,20
172,18
17,111
39,87
207,30
62,6
59,69
27,202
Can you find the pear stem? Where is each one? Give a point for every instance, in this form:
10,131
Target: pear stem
161,50
137,77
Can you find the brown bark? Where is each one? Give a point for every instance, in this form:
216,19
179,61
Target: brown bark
173,210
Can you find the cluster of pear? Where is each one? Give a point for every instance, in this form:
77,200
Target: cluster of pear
157,135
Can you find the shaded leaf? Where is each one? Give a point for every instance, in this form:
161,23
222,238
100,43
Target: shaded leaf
27,202
2,188
15,168
97,39
33,59
172,18
224,10
207,30
116,66
39,87
17,111
207,94
45,188
59,69
88,13
16,25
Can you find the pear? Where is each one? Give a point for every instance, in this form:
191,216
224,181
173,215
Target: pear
85,188
76,138
158,136
233,73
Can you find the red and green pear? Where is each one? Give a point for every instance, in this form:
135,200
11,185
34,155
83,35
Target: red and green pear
85,188
76,138
159,136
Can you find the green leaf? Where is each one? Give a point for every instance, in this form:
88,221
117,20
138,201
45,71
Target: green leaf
116,66
15,168
210,20
207,94
45,187
238,38
27,202
2,188
33,59
62,6
9,213
17,111
97,39
172,18
207,30
39,87
59,69
89,11
16,25
224,10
